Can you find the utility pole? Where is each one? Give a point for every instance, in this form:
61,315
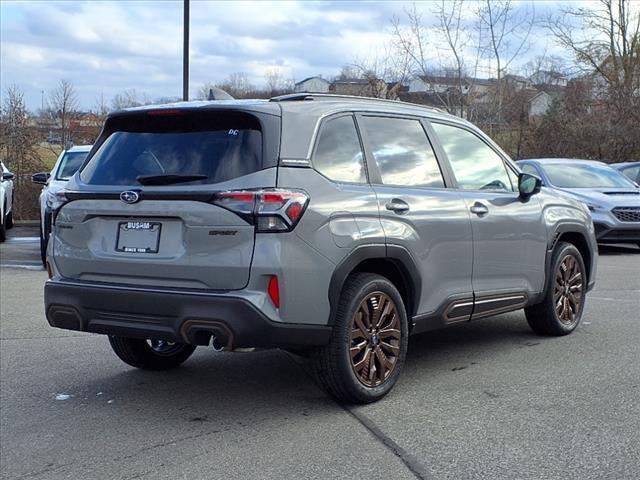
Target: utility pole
185,53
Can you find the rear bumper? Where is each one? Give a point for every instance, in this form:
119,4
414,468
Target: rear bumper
191,318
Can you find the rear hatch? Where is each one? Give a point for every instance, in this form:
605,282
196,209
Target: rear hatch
142,210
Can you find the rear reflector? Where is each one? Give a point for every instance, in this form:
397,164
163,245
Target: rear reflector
274,291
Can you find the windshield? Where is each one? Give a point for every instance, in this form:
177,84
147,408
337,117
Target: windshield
191,153
69,165
585,176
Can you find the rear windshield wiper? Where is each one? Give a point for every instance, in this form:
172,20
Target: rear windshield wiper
168,179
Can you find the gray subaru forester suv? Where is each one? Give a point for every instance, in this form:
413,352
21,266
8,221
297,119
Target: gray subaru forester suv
329,226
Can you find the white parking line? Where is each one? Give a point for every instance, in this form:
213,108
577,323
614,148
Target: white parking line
24,267
23,240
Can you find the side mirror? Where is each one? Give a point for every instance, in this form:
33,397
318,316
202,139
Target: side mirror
528,184
41,178
7,176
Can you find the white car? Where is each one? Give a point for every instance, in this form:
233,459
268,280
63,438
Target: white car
66,166
6,201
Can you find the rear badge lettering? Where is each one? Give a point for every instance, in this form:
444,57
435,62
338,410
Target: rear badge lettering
223,232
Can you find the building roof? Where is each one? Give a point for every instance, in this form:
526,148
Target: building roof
315,77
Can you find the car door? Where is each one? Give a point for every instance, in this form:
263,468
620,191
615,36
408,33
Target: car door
509,236
418,213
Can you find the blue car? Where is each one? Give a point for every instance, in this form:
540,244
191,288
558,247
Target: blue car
613,199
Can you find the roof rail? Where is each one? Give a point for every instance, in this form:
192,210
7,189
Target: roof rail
297,97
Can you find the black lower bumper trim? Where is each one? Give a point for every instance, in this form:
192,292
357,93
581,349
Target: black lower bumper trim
177,317
605,234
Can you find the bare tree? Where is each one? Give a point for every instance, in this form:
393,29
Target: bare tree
276,82
547,70
381,76
505,31
18,149
63,105
100,108
606,43
443,54
457,40
237,85
129,98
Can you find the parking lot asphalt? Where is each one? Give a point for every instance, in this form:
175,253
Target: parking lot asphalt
488,399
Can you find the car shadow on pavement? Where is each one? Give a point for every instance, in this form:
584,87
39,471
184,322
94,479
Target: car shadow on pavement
214,386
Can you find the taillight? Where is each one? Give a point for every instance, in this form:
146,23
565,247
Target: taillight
274,210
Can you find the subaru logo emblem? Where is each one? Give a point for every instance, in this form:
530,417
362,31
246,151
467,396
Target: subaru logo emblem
129,196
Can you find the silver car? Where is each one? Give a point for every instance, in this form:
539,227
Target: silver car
326,225
66,165
630,169
613,199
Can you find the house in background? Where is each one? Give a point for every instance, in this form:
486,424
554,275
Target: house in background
540,103
436,84
361,87
312,85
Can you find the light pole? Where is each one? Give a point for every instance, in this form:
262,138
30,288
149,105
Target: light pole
185,53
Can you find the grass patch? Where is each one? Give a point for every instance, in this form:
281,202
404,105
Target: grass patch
48,153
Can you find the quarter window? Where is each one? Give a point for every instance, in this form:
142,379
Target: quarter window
338,154
475,165
402,152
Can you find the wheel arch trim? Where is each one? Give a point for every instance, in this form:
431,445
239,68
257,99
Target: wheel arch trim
398,255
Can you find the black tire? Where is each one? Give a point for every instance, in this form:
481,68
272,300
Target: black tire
140,354
334,366
9,221
548,317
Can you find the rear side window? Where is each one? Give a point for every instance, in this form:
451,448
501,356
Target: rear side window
402,152
338,154
70,164
475,164
215,147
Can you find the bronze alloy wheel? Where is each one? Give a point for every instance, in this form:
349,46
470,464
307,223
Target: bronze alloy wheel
567,291
375,339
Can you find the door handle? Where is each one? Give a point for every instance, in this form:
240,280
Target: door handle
398,206
479,209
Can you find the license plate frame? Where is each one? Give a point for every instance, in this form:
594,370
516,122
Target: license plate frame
138,237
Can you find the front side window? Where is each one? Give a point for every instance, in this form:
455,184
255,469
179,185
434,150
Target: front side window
475,165
402,152
338,155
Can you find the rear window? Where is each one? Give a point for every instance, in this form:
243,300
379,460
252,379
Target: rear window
70,164
214,146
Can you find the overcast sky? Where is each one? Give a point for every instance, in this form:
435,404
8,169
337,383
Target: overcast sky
110,46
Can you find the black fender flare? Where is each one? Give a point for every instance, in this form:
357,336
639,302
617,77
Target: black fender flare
397,254
558,231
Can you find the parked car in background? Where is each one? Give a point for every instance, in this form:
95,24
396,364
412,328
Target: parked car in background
613,199
630,169
6,200
67,164
334,226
